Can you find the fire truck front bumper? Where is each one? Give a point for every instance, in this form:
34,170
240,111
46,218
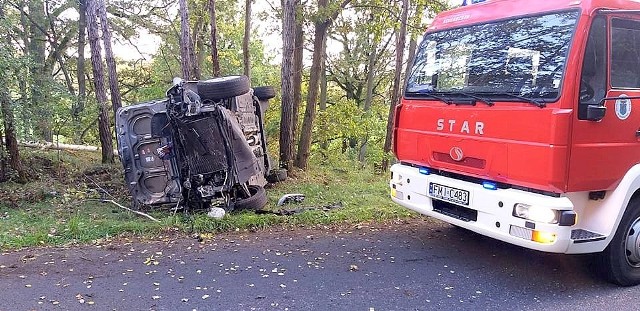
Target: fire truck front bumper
523,218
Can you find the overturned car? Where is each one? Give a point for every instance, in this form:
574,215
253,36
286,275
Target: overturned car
202,146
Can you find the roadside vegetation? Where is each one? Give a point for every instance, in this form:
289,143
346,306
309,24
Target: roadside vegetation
63,204
67,66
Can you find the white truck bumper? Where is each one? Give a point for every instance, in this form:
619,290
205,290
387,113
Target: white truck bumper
489,212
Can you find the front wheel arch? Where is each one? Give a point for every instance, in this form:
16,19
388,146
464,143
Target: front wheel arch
620,261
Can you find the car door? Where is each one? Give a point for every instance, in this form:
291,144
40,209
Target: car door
152,178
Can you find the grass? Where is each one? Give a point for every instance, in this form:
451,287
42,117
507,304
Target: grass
60,209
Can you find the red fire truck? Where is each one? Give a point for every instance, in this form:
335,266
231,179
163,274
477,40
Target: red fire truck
521,121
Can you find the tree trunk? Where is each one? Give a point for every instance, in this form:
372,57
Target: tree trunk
368,100
214,39
195,70
37,52
395,95
323,95
185,41
247,37
286,117
319,46
116,99
82,82
11,142
3,160
198,43
98,82
298,54
413,45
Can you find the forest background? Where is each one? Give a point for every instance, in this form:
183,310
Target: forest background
66,66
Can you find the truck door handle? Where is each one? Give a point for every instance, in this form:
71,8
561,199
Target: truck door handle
638,133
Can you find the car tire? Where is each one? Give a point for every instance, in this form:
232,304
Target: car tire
264,92
256,201
619,263
277,175
223,87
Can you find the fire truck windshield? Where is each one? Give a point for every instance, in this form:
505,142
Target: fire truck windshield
523,56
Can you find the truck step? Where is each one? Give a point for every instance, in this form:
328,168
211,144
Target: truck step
584,236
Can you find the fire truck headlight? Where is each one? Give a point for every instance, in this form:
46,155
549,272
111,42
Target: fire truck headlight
535,213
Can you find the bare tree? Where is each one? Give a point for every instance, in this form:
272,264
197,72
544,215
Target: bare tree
286,117
116,101
395,95
322,24
186,46
104,131
247,37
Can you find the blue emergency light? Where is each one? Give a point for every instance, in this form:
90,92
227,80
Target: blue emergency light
490,185
471,2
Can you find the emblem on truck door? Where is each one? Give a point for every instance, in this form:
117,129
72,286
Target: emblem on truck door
623,107
456,154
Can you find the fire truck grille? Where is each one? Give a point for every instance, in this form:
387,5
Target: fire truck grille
455,211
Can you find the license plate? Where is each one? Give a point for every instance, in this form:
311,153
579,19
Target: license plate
449,194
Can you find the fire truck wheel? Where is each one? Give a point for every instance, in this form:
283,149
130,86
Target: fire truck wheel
223,87
620,261
264,92
256,201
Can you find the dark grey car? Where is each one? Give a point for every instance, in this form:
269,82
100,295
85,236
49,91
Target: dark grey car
202,146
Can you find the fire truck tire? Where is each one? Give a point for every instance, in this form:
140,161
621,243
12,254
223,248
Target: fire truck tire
264,92
223,87
256,201
620,261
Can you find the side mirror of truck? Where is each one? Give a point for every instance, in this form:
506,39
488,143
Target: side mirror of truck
596,112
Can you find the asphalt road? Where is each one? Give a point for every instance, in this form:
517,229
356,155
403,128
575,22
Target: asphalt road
419,265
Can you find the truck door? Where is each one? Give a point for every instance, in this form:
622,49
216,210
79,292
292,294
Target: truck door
603,151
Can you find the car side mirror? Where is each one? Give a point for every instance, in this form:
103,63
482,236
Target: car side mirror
596,112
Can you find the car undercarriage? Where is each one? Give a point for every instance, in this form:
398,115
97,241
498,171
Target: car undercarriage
203,146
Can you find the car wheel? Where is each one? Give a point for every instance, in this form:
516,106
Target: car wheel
256,201
223,87
620,261
264,92
277,175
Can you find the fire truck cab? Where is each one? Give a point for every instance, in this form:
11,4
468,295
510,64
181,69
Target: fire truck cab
521,121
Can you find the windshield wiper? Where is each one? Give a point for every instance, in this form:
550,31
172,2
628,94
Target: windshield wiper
429,93
487,101
522,98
